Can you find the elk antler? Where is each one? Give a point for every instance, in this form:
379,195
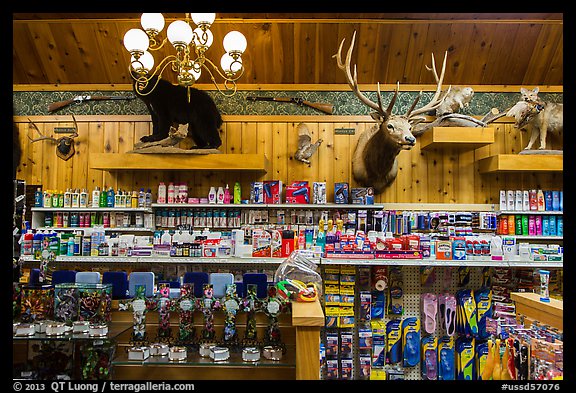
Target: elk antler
353,81
413,115
42,136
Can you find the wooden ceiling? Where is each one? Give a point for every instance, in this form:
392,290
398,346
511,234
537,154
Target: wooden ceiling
297,48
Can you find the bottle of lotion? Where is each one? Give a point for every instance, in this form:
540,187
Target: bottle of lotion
226,195
212,196
220,196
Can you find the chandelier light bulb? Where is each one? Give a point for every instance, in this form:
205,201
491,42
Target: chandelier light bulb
203,39
136,40
179,33
153,22
235,41
144,63
206,18
229,65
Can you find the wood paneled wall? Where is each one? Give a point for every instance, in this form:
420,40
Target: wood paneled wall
434,176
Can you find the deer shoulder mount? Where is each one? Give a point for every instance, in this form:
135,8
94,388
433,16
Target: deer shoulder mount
64,145
374,162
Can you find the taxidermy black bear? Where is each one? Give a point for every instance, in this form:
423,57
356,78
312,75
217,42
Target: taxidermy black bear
168,104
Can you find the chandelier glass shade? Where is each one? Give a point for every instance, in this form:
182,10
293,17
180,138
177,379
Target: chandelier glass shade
190,38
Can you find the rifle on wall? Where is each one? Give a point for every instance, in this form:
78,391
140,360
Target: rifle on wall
80,99
323,107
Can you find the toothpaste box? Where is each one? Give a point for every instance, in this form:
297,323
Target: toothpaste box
341,191
272,191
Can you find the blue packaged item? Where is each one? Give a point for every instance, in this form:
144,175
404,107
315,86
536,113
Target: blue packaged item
87,278
548,200
145,279
341,193
545,226
259,280
483,298
63,277
560,226
393,341
411,341
561,202
555,200
219,283
552,226
446,359
119,282
465,359
197,279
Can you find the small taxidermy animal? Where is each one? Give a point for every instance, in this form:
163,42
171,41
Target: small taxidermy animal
305,146
170,104
539,117
456,98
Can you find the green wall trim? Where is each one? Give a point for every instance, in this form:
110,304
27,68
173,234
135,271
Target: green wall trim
345,103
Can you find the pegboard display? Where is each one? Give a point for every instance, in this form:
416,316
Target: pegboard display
416,280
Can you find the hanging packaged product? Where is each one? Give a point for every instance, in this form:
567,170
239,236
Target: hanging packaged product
411,342
429,365
483,299
446,359
380,338
393,341
465,359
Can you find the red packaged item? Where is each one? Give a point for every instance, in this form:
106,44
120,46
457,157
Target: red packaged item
298,192
272,191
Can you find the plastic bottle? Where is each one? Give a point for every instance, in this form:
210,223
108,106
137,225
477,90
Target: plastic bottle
27,243
171,190
55,199
220,195
96,197
141,198
161,193
83,202
37,245
212,196
75,198
166,238
110,198
38,199
103,198
70,249
321,236
148,198
47,198
226,195
237,194
540,199
134,200
67,198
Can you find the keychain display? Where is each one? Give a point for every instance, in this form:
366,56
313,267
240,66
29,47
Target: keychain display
208,304
186,306
230,305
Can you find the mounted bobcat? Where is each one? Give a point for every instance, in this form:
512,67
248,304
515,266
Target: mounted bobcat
537,116
374,163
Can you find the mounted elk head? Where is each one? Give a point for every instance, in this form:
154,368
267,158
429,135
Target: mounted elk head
64,145
374,163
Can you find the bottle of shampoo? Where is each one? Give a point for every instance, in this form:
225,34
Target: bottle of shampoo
237,194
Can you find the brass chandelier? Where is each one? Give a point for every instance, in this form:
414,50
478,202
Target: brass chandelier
190,59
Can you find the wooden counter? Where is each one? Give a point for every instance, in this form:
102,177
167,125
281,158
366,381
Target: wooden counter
529,304
307,318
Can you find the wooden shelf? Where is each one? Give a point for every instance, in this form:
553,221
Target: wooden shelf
180,162
521,163
529,304
464,138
